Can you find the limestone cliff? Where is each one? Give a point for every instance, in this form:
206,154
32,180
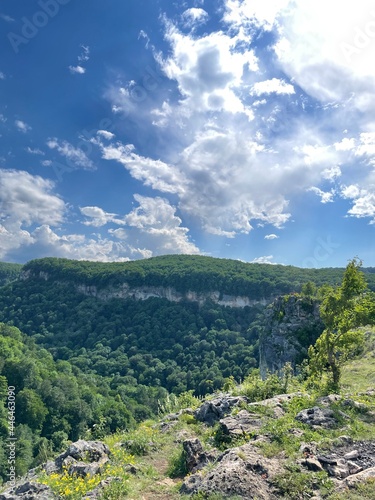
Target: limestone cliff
124,291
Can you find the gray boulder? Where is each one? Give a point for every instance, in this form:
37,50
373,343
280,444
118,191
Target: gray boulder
240,471
29,490
318,417
81,458
241,424
212,411
196,457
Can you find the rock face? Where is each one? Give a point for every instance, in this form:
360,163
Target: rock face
215,409
81,458
242,424
319,417
196,457
28,491
239,471
124,291
291,323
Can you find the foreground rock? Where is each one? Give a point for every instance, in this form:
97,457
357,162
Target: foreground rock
242,424
29,490
239,471
212,411
81,458
319,417
196,457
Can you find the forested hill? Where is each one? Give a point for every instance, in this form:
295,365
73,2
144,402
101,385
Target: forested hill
9,272
189,273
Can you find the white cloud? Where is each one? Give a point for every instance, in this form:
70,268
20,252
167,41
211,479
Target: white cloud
366,146
332,173
271,237
85,54
75,156
265,259
25,200
29,198
275,86
2,75
2,118
232,163
154,223
330,60
263,14
79,70
345,145
98,217
326,197
22,126
7,18
80,247
208,70
106,134
155,173
194,16
363,201
163,114
34,151
119,233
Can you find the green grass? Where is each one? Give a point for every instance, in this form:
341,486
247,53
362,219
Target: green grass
364,491
358,374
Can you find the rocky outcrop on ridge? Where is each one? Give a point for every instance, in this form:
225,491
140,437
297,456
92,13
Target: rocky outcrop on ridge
290,323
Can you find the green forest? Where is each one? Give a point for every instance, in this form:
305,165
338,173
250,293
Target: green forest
192,272
86,367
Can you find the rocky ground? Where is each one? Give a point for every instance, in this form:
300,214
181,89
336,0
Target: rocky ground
230,447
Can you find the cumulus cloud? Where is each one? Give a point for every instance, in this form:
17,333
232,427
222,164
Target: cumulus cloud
275,86
78,70
75,156
265,259
34,151
22,126
271,237
2,75
25,200
194,16
155,223
208,71
155,173
97,217
84,56
325,196
363,201
234,163
106,134
7,18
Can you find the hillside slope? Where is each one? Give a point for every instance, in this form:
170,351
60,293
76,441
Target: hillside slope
179,345
9,272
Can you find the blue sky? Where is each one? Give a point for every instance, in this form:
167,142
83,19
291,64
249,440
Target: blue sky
237,129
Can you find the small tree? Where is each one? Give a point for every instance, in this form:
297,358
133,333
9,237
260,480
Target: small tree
342,309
